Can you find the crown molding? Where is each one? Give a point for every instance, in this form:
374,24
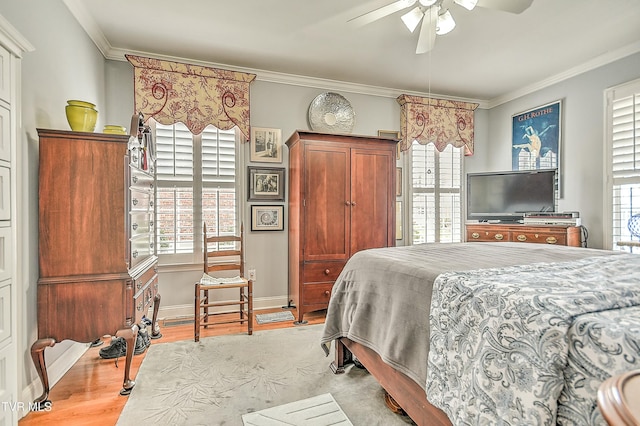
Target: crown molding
294,79
594,63
86,21
109,52
11,38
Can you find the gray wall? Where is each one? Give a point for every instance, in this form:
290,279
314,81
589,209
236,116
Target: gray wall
582,162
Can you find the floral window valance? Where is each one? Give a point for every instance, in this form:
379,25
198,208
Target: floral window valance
197,96
437,121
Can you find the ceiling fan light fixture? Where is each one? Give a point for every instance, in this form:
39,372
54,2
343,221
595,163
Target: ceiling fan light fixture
412,18
467,4
427,3
445,23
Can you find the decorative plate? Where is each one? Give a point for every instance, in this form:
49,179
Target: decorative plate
332,113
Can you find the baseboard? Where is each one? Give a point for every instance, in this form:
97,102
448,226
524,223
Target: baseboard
186,311
55,370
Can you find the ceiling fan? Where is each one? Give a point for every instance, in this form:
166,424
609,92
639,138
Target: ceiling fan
436,18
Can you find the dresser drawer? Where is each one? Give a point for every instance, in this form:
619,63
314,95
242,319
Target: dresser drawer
316,294
487,235
144,299
539,237
141,223
141,201
141,247
141,180
316,272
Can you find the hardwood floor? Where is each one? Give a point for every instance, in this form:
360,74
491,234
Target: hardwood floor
88,394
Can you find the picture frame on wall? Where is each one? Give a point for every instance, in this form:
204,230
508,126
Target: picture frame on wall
267,218
266,183
391,134
266,145
536,138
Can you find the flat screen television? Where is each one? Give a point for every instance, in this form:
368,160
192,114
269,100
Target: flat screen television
506,196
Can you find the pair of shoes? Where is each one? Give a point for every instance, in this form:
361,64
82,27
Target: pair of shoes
143,341
116,349
118,346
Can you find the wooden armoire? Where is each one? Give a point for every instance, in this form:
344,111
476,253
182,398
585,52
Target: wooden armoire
98,267
341,201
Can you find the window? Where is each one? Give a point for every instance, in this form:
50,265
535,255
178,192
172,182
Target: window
196,184
436,194
623,171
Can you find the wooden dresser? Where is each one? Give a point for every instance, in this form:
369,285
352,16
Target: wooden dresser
341,200
98,268
545,234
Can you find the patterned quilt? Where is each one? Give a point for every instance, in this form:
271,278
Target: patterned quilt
529,345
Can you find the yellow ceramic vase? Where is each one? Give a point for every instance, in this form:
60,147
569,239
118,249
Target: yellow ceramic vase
81,115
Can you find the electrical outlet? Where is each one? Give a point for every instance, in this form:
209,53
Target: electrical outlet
252,274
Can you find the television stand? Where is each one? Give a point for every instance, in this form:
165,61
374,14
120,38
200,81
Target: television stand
564,235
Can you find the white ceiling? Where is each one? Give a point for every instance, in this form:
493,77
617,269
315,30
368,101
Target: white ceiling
491,55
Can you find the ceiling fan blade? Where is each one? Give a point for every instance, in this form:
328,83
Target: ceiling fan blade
381,12
512,6
427,37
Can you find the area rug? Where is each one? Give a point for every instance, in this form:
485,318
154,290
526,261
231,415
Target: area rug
321,410
274,317
219,379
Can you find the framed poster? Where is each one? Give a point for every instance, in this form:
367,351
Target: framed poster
267,218
266,145
536,138
266,184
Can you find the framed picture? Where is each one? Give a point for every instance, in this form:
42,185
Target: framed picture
391,134
266,184
536,138
398,181
267,218
399,235
266,145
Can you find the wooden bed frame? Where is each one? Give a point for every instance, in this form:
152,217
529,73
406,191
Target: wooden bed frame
406,393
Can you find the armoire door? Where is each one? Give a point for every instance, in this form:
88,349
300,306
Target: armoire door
372,199
326,202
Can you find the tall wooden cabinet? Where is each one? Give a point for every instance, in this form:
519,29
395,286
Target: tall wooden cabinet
341,201
98,268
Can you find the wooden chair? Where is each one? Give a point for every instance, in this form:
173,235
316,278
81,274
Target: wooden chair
204,300
619,399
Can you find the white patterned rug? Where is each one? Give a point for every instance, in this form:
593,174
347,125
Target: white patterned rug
321,410
219,379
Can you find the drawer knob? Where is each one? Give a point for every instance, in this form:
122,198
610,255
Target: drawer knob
499,237
475,235
134,226
134,201
522,237
327,271
552,240
135,179
327,293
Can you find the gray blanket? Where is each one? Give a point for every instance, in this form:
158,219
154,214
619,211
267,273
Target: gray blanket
382,297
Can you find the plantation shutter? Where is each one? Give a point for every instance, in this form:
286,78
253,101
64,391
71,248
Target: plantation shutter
624,137
196,178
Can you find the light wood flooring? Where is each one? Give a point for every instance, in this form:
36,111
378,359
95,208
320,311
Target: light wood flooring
88,394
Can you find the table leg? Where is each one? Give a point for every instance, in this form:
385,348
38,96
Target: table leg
130,335
37,355
155,327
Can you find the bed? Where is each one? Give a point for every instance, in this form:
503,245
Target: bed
555,322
